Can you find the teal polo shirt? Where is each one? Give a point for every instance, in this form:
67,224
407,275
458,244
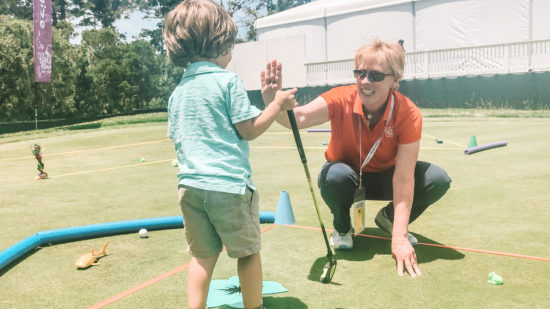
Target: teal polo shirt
201,113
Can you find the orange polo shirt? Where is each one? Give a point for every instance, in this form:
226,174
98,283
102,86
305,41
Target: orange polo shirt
346,113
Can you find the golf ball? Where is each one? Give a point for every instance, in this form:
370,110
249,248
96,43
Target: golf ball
142,233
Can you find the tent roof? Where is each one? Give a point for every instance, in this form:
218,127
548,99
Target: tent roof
323,8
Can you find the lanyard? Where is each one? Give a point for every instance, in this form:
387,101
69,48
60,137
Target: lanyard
375,146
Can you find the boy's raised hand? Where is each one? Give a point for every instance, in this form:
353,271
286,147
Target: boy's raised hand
271,80
286,99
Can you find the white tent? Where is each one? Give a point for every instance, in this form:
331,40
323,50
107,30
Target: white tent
316,42
333,29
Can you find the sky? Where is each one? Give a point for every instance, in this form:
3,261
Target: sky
131,26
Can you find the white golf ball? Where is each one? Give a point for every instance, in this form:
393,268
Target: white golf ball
142,233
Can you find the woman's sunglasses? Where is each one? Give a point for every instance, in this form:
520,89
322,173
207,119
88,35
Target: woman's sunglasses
373,76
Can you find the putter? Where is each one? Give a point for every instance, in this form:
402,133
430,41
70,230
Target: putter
330,267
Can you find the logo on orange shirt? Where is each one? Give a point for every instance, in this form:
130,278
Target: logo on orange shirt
388,131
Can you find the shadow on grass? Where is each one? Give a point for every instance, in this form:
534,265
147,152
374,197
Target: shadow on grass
283,303
316,269
365,248
18,260
279,303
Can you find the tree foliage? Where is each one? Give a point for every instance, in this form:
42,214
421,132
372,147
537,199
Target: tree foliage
16,70
101,13
21,9
97,13
103,74
244,13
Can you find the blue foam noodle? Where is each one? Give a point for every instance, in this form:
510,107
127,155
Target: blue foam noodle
19,249
121,227
97,230
110,228
475,149
267,217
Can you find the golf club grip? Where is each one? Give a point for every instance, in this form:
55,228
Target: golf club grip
296,134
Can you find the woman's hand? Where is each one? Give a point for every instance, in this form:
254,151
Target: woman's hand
405,256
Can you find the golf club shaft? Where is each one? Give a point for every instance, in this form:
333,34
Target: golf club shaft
300,147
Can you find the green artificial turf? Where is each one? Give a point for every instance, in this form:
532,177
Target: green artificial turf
498,201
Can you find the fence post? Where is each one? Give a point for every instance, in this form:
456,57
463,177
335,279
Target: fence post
426,57
507,55
529,60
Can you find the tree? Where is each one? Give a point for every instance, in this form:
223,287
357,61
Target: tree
55,99
16,69
282,5
143,70
156,9
23,9
57,96
102,73
17,8
246,12
117,77
59,11
100,13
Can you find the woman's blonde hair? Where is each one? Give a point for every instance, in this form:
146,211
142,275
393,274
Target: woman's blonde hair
198,28
389,55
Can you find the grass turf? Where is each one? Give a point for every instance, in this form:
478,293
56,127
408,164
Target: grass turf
497,201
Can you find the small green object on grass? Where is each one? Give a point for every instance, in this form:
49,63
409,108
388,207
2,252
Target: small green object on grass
142,159
473,141
495,279
175,163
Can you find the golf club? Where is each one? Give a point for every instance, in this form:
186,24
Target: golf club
330,267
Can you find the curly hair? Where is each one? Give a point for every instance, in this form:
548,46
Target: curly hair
198,28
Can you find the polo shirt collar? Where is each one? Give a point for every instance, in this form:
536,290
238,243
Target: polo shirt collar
358,107
201,67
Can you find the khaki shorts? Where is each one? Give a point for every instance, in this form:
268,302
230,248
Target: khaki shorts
213,219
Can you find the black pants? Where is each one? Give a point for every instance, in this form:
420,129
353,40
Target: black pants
338,182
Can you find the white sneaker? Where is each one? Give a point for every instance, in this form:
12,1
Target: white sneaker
341,241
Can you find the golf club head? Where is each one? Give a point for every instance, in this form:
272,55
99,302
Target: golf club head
328,271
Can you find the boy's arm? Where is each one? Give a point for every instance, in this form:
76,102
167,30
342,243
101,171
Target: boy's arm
252,128
313,113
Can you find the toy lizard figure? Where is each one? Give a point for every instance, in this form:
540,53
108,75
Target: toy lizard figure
89,258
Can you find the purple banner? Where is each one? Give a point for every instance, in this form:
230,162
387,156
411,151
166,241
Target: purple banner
42,16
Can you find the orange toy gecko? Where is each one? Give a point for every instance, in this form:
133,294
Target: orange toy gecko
89,258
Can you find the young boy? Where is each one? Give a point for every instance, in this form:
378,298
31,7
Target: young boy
210,122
